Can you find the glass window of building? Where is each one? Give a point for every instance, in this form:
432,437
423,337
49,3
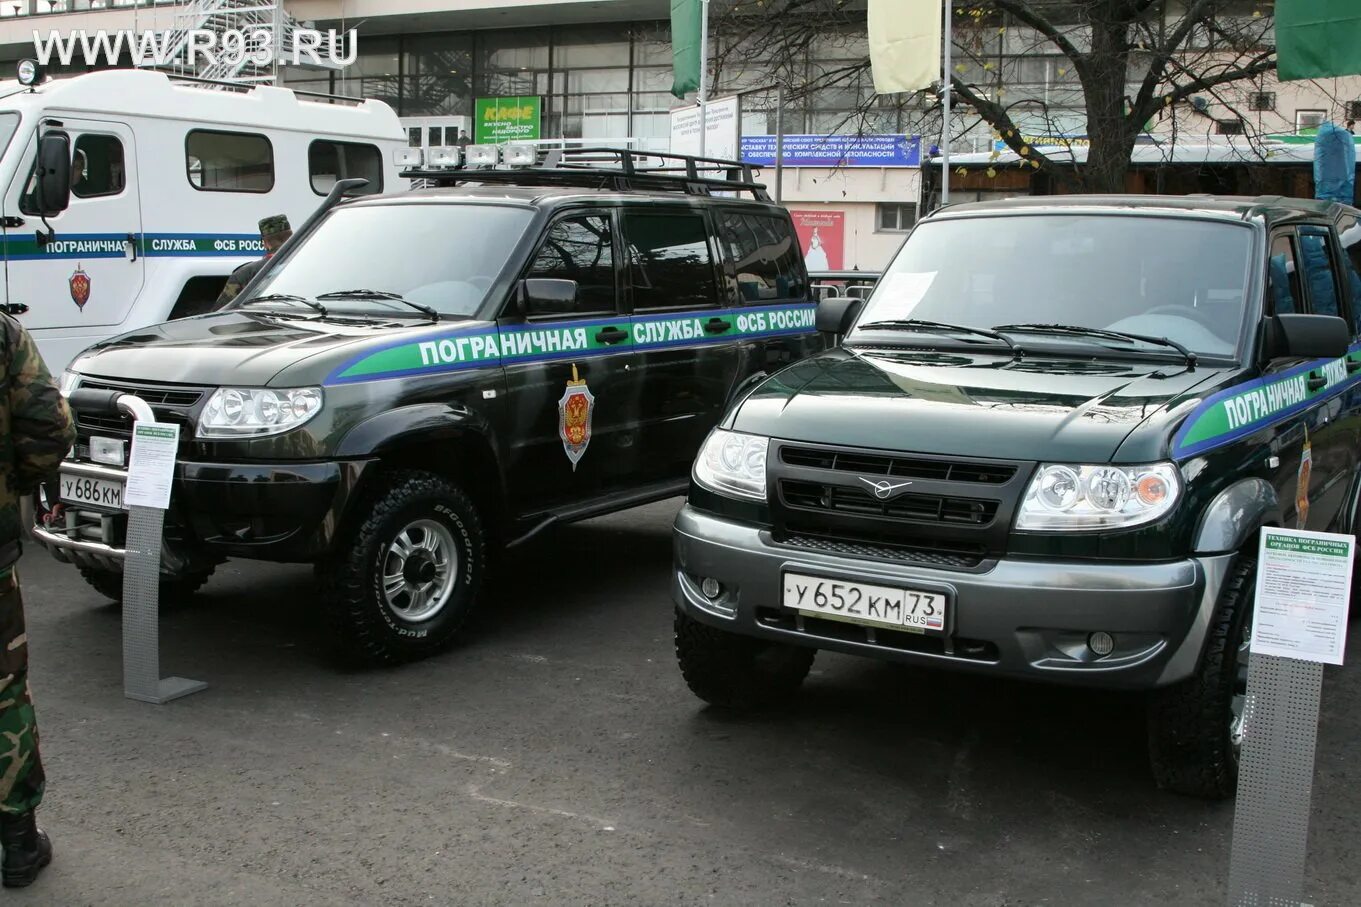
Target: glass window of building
437,75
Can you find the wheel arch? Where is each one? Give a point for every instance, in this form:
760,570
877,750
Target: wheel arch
1236,515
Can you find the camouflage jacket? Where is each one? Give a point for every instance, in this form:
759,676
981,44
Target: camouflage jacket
240,277
35,428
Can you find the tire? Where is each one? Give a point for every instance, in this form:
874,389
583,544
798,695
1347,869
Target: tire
368,627
738,672
110,584
1191,747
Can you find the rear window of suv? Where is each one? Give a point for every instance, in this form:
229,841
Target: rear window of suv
765,254
1177,277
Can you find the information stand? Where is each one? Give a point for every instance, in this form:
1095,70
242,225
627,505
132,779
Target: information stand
1299,624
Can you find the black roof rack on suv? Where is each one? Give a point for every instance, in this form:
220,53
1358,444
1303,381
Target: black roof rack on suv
620,169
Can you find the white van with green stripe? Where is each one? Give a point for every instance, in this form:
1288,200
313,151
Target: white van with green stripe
154,188
419,381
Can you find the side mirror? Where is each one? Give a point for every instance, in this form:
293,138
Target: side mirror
836,314
1310,337
52,190
548,296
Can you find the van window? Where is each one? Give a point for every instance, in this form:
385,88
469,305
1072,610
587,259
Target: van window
98,167
669,260
328,162
765,253
9,124
229,161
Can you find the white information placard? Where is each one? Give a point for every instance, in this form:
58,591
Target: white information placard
151,468
1303,592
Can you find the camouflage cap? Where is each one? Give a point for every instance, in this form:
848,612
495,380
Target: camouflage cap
274,225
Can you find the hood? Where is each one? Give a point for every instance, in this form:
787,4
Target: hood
1063,409
242,347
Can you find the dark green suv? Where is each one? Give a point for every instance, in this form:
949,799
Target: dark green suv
1045,451
417,380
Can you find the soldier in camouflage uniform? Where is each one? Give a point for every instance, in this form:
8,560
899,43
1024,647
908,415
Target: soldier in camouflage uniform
35,434
274,232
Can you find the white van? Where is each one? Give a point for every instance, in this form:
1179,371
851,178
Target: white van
168,181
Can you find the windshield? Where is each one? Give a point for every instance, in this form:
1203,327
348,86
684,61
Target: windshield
1178,278
442,256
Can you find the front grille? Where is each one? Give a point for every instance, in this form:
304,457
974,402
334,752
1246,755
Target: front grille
898,466
962,558
169,403
922,508
954,513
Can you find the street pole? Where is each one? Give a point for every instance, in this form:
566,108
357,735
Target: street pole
704,77
946,69
779,144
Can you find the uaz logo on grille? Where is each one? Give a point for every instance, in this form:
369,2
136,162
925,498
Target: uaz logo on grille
884,490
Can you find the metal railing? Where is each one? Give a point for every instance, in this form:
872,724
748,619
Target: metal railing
855,284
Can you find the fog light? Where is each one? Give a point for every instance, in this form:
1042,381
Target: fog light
1102,644
711,588
109,451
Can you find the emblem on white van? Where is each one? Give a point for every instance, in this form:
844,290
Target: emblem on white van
80,288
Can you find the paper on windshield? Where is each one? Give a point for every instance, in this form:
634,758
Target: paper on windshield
898,295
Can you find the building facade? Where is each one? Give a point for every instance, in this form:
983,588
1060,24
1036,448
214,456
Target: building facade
601,70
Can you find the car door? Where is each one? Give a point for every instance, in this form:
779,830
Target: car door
91,271
569,377
684,329
1316,466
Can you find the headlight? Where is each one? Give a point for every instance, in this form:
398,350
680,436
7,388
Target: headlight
734,464
69,381
1066,498
253,412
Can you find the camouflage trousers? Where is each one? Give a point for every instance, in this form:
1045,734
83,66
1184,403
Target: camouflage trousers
21,768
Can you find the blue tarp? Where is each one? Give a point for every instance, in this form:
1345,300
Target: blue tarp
1334,164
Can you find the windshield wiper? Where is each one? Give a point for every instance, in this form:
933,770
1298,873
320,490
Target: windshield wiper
1081,331
383,295
287,297
918,324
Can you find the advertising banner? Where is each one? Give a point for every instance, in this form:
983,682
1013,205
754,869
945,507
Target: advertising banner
822,234
498,120
835,150
721,127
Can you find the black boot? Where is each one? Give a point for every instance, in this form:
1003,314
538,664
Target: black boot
27,850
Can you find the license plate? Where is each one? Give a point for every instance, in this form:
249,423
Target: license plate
105,494
912,610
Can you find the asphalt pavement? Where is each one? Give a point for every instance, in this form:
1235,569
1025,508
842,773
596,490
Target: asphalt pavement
556,757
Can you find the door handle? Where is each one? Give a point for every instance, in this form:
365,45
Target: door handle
1317,382
11,222
611,335
717,326
1353,365
132,241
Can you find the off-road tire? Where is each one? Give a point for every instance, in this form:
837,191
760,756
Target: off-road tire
1188,723
364,629
110,584
738,672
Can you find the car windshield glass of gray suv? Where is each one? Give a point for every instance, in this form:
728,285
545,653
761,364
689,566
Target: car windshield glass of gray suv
1178,278
442,256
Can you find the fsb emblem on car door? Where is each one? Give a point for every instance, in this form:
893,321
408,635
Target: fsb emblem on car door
575,410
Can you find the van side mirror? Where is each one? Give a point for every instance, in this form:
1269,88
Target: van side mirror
836,314
1309,337
52,190
548,296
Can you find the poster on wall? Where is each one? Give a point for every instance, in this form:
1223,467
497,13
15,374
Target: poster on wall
823,237
498,120
721,129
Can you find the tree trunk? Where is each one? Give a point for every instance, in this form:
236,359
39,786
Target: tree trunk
1110,130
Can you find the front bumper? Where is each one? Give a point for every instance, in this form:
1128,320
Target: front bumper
1021,618
286,512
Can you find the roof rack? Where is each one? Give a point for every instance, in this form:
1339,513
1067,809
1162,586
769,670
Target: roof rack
245,87
621,169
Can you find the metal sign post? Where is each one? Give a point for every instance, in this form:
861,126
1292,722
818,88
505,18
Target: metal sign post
1299,624
146,495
